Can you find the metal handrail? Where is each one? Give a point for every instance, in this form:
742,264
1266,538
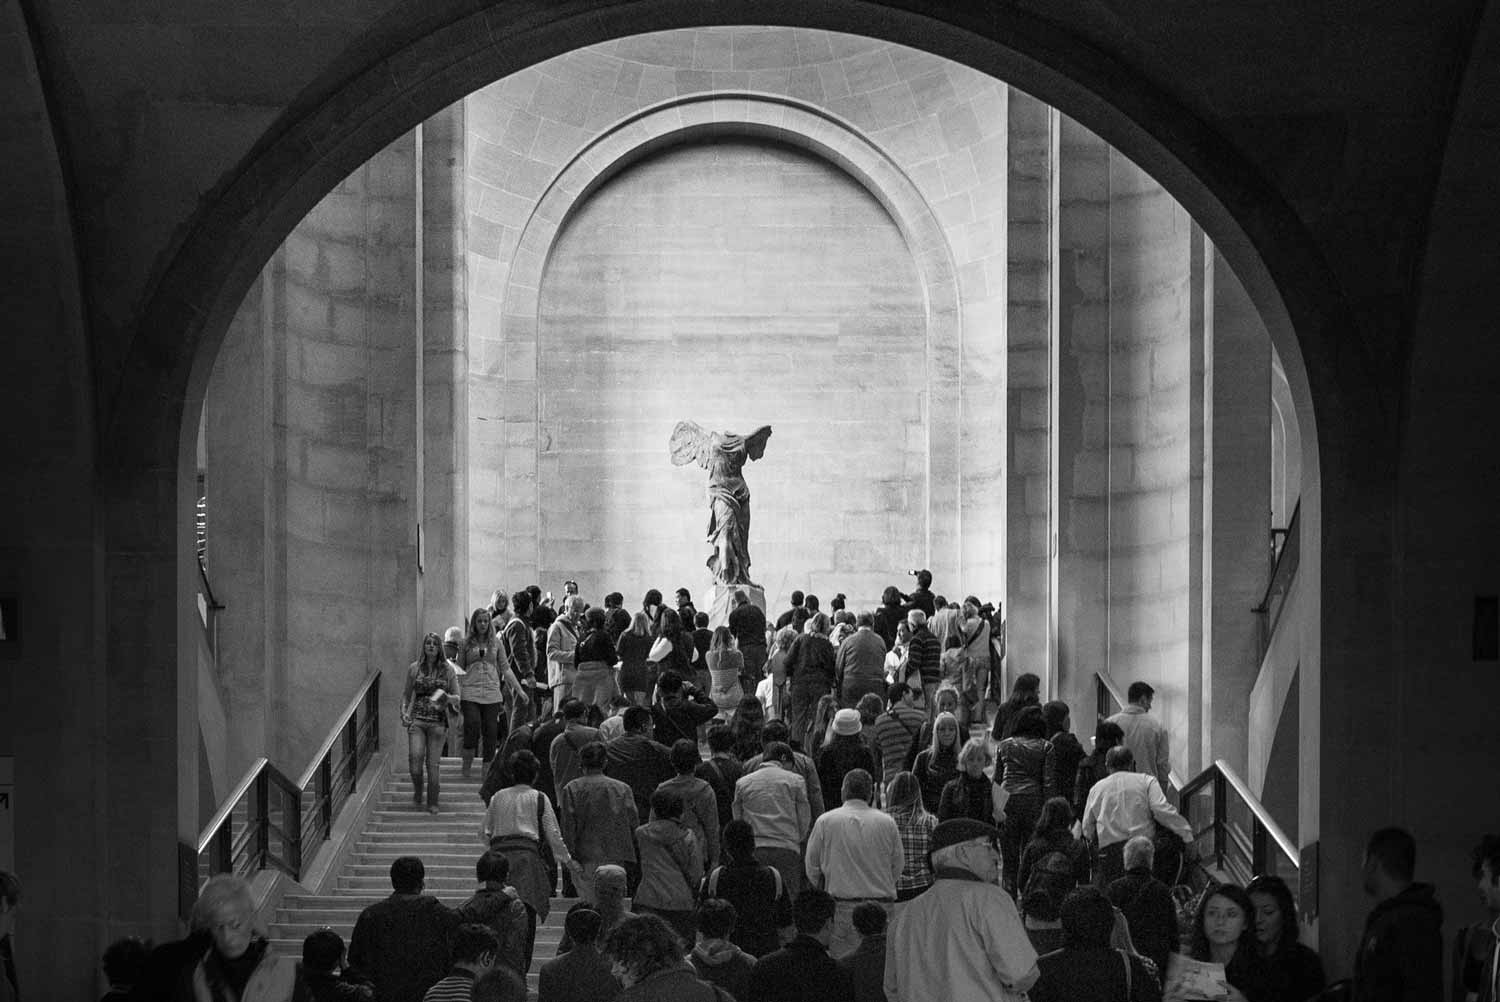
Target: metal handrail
356,733
1109,700
1223,781
1288,559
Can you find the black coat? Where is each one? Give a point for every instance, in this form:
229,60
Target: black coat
1400,955
801,971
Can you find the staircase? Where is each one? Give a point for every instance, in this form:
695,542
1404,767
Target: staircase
448,845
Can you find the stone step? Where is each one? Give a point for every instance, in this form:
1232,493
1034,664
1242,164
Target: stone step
416,834
415,846
381,884
460,867
436,854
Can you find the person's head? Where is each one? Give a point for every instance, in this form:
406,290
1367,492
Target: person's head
1487,872
903,792
575,711
524,767
651,600
1026,689
869,919
1107,735
1224,920
739,839
716,919
898,692
474,946
561,713
666,805
431,654
970,607
1119,759
583,924
574,607
226,912
720,738
865,620
593,757
945,734
924,578
614,600
891,597
740,598
838,602
968,845
777,751
408,875
1057,716
637,720
125,961
845,723
492,867
1140,852
723,640
1056,817
797,599
499,603
903,633
610,885
499,984
595,618
453,642
785,637
10,897
570,587
1390,862
1274,913
684,597
857,785
813,914
975,756
684,756
748,715
817,623
811,602
521,602
1088,919
775,730
479,625
640,946
946,699
868,708
700,620
1030,723
916,619
322,952
1140,694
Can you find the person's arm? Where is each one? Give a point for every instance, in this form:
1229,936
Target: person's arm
1163,759
1050,785
1165,813
737,805
552,834
568,818
804,812
813,857
891,984
358,947
508,678
487,822
695,865
707,809
408,696
897,854
1007,946
815,802
1091,816
946,808
1023,871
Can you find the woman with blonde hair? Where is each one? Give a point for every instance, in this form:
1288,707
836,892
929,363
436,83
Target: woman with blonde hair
486,681
938,763
968,795
771,690
431,686
237,963
636,677
903,799
725,666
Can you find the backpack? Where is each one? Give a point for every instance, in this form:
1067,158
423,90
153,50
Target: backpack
1052,875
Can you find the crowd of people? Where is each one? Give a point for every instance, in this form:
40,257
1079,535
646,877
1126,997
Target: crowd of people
831,808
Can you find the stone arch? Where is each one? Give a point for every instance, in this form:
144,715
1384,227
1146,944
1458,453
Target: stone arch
691,118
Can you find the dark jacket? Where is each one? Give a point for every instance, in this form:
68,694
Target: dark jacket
1067,753
761,903
1295,972
580,975
336,987
1094,975
721,773
966,797
725,965
1400,955
835,760
748,624
1150,913
924,655
887,619
401,944
801,971
541,746
503,911
673,723
497,776
810,664
640,763
866,969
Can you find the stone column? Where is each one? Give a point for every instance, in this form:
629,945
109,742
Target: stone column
1082,430
445,367
1239,480
1031,339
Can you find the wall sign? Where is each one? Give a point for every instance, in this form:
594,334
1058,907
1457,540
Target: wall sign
1307,881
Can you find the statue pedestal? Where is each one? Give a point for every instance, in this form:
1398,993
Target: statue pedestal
723,601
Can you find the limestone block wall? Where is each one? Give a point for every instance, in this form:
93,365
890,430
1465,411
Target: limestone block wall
310,457
941,125
734,283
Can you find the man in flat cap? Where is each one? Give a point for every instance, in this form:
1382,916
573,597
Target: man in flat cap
962,940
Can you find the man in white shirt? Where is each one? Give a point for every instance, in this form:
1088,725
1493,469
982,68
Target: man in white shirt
1121,806
854,853
773,798
1144,735
961,940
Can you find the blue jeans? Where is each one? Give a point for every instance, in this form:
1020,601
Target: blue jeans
424,742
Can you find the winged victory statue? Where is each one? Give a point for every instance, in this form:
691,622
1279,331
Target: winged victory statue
723,455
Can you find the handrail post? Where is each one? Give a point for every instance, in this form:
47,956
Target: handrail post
1221,818
262,818
222,858
1257,847
296,860
325,791
351,750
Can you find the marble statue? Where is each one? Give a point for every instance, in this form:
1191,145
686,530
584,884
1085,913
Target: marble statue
724,456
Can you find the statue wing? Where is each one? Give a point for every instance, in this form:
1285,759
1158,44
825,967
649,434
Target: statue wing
755,443
690,444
